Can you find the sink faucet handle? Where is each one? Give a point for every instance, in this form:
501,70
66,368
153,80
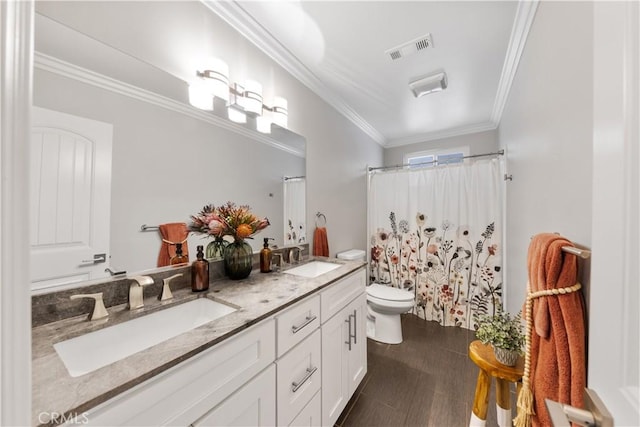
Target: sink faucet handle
99,311
300,253
276,265
165,293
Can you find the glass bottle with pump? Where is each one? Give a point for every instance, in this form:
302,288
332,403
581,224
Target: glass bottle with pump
179,257
200,272
265,256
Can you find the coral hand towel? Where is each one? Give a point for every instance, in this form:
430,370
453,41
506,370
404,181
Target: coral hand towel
175,232
320,242
558,366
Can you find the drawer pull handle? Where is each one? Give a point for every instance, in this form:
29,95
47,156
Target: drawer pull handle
309,319
296,385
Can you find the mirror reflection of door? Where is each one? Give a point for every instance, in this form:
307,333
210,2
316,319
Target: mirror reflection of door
295,229
70,198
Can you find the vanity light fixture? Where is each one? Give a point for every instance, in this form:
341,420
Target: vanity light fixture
213,82
429,84
199,97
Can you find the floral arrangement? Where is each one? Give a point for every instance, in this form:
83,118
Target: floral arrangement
227,220
502,331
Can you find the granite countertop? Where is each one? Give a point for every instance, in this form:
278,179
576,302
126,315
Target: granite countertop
257,297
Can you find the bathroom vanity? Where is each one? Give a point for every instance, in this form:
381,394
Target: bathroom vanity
292,353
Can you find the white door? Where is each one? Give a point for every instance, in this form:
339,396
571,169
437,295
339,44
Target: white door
614,324
335,367
70,198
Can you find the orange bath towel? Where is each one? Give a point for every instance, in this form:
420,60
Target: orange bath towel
174,232
320,242
558,359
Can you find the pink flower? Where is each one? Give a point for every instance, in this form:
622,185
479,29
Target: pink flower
493,249
432,249
216,227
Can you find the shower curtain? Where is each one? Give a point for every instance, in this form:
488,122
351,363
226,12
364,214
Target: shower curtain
437,232
295,229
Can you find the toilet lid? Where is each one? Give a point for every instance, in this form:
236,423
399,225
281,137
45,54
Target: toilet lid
388,293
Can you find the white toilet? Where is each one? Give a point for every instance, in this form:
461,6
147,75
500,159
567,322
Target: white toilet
385,304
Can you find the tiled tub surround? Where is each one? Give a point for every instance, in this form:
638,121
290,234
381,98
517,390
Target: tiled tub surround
258,297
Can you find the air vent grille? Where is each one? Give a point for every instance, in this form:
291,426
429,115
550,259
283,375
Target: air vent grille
411,47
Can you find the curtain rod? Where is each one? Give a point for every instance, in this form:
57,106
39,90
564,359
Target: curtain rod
287,178
496,153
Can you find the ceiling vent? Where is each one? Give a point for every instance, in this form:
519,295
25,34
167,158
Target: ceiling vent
429,84
410,48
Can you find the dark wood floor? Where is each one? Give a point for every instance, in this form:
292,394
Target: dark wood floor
428,380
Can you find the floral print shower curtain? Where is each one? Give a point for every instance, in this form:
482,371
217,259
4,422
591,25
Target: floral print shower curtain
437,232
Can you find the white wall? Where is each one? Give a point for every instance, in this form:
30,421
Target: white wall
546,129
173,37
478,143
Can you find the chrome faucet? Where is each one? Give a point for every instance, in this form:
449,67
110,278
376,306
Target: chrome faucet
136,291
99,311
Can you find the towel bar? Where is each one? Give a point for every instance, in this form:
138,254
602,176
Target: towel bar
145,227
582,253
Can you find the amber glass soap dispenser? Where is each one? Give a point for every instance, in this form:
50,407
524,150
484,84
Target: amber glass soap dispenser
179,257
265,256
200,272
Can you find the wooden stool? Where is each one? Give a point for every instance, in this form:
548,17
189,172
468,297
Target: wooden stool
482,355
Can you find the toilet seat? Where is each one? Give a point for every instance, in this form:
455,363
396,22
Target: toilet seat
387,293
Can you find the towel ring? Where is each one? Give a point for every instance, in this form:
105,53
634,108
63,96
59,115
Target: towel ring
320,216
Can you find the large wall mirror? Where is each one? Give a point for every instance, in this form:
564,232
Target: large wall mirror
167,160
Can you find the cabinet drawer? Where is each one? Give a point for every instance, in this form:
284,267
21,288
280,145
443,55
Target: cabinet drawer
338,295
253,405
296,323
298,378
311,415
187,391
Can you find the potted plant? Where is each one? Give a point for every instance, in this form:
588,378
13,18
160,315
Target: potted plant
504,332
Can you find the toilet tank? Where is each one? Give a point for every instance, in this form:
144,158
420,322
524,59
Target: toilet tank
352,255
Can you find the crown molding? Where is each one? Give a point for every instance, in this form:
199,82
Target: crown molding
521,25
447,133
66,69
241,21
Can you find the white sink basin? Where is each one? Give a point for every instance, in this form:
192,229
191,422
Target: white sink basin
95,350
313,269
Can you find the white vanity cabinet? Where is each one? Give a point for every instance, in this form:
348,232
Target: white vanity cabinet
298,367
183,394
344,344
